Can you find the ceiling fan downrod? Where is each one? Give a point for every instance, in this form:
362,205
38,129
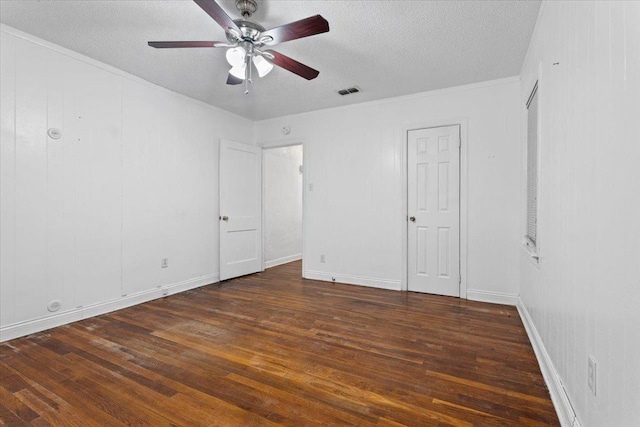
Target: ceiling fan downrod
246,7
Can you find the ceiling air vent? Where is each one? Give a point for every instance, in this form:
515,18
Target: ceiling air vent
349,91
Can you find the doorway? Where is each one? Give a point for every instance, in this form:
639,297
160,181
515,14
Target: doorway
282,204
433,210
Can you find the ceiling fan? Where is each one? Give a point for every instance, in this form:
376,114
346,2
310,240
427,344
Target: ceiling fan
246,41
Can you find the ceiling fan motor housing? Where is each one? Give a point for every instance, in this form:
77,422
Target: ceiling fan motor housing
250,31
246,7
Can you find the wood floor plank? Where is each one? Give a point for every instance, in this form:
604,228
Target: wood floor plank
8,415
275,349
13,407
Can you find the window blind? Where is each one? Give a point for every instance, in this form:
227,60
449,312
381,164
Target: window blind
532,167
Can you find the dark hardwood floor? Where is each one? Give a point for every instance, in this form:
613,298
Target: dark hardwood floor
274,349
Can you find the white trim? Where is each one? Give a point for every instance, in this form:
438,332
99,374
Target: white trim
304,201
492,297
404,220
279,143
532,255
283,260
77,56
464,176
20,329
352,280
559,397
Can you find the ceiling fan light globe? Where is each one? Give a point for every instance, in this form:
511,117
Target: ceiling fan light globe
238,71
262,65
235,56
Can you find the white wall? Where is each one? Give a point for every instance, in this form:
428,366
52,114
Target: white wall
353,161
282,204
87,218
584,297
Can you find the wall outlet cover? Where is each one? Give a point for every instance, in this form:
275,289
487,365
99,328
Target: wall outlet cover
54,306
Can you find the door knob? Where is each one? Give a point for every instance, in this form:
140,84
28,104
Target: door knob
412,219
224,218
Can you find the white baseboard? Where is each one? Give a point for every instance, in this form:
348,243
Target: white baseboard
559,397
283,260
21,329
352,280
492,297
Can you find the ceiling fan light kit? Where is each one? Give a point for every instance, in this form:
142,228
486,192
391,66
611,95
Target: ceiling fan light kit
263,66
246,40
235,56
238,72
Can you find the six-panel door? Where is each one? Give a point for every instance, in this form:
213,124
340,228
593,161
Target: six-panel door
433,167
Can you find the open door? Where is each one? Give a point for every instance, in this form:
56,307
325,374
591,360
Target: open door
240,209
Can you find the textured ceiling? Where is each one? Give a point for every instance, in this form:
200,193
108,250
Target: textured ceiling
387,48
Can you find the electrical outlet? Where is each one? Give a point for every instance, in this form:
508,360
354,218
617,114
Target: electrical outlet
322,258
591,373
164,263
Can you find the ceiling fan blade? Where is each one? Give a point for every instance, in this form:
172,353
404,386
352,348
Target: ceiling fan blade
233,80
161,45
214,10
289,64
296,30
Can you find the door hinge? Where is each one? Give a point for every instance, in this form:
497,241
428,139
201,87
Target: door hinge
459,280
